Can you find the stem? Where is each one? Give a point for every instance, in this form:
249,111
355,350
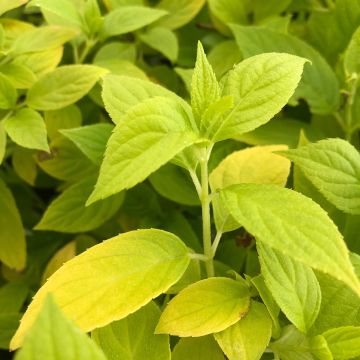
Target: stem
196,182
216,242
200,257
205,208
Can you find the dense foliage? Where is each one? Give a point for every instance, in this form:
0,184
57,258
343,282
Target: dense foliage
161,201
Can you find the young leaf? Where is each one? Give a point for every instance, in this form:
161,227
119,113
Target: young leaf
12,236
129,18
27,128
293,285
180,12
319,85
333,166
67,213
205,89
205,307
199,348
119,275
42,39
65,9
298,228
153,125
120,93
133,337
64,86
248,338
8,94
261,87
352,54
91,140
344,342
162,40
54,336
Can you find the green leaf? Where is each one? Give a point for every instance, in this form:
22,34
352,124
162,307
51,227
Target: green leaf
12,253
91,140
7,5
292,224
2,142
12,297
67,213
163,40
180,12
294,345
65,9
248,338
133,337
42,39
155,124
20,76
293,285
116,50
261,87
64,86
27,128
333,167
54,336
199,348
344,342
257,165
205,89
352,54
119,276
121,93
9,322
129,18
319,85
8,94
205,307
173,183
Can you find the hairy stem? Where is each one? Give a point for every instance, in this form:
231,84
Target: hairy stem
205,208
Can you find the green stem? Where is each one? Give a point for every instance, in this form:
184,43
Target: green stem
216,242
205,208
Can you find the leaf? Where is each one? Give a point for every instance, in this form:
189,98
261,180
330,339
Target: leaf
333,167
293,285
9,322
7,5
12,297
63,255
133,337
53,335
205,89
64,86
42,39
20,76
205,307
155,124
121,93
163,40
67,213
8,94
116,50
12,253
65,9
119,275
199,348
173,183
261,87
298,228
258,165
319,85
129,18
90,139
352,53
180,12
27,128
344,342
2,142
248,338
